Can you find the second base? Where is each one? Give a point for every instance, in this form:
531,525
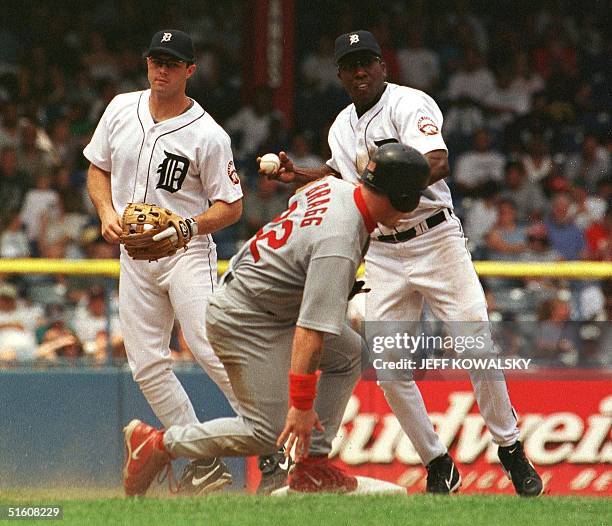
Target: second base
365,486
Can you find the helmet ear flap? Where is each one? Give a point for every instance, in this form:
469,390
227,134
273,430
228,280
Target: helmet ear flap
405,203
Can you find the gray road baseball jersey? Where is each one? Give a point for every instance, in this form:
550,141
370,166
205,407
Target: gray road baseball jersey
404,115
301,266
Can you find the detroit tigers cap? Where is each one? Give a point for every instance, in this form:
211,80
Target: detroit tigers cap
355,41
172,42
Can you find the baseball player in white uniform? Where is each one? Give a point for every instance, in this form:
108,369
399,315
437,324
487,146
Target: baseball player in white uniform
423,257
280,317
160,146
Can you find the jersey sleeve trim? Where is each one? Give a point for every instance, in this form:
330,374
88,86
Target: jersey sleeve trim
321,327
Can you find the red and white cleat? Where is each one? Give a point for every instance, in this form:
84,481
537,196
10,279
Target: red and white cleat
319,475
146,456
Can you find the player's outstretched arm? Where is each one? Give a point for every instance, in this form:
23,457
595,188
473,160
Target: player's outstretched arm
289,173
99,188
302,418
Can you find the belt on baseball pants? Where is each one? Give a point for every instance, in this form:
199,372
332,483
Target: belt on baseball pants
411,233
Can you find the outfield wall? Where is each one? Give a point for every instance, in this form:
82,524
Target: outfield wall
64,426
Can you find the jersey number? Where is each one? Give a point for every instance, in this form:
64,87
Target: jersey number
271,236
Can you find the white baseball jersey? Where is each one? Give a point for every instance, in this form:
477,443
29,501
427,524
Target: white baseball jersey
180,163
183,163
434,266
403,115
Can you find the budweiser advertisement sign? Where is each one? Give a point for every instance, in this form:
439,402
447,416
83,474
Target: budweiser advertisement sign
565,427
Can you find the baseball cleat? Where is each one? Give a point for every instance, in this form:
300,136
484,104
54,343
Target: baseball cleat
319,475
520,471
146,456
443,477
274,469
204,476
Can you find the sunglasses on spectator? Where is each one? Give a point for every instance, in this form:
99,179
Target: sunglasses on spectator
169,63
361,62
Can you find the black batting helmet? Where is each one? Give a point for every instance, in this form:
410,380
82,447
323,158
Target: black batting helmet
400,172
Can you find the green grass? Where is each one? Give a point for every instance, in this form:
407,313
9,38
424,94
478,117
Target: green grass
106,507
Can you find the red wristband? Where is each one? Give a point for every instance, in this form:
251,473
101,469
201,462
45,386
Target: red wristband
302,390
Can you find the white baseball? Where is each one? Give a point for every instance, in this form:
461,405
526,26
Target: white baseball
269,163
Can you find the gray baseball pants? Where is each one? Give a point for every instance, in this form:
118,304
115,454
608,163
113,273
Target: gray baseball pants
255,349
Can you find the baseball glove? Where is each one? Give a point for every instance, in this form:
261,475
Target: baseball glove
151,232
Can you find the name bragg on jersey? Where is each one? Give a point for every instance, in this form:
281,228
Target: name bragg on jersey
314,207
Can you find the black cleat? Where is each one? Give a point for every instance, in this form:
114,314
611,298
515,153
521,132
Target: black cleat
525,478
274,472
442,475
204,476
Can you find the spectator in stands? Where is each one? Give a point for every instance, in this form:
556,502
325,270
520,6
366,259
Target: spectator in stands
565,237
598,238
301,152
506,101
40,201
17,325
591,165
263,204
556,342
537,123
506,240
481,217
477,166
384,36
34,152
474,81
529,198
525,78
250,125
585,208
13,240
536,160
13,185
538,247
419,66
538,250
463,119
90,322
57,340
9,126
319,69
59,234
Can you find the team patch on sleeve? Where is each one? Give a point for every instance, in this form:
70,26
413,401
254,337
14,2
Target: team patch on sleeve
427,126
231,173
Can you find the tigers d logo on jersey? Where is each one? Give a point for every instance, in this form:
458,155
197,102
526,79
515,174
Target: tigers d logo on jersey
172,172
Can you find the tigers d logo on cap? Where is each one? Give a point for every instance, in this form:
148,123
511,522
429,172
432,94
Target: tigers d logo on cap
172,42
355,41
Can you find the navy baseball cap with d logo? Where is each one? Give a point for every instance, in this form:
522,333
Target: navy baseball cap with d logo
172,42
356,41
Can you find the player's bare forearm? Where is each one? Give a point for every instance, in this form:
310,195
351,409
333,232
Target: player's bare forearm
301,419
438,164
307,175
99,189
306,351
289,173
218,216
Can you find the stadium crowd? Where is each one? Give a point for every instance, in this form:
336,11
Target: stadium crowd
526,103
